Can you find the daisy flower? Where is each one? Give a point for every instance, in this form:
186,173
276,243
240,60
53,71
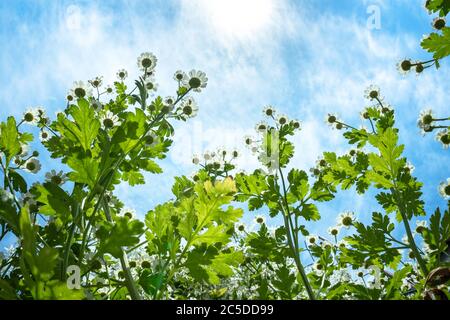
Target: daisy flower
261,126
44,135
296,124
97,105
151,84
109,120
421,225
31,116
80,90
189,107
404,66
96,82
312,240
24,150
409,167
151,139
444,138
334,231
180,76
444,189
196,80
282,119
438,23
122,74
146,61
128,213
260,219
332,120
235,153
372,93
169,102
346,219
27,199
240,227
109,89
5,195
425,120
32,165
195,159
318,268
269,111
248,140
57,178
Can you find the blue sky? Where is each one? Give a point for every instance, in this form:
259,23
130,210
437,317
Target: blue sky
306,58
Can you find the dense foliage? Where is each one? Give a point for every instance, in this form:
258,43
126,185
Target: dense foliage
75,239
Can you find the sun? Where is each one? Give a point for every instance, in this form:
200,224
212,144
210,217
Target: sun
239,18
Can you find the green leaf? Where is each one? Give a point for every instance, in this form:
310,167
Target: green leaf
299,185
438,44
9,139
54,200
133,177
123,233
85,170
86,124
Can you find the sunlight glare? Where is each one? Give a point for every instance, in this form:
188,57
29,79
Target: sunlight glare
239,17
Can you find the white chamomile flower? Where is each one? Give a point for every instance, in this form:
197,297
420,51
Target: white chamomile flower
109,120
425,120
151,139
24,150
169,102
334,231
122,74
97,105
189,107
373,93
269,111
346,219
109,89
438,23
196,80
240,227
318,268
96,82
27,199
248,140
282,119
409,167
31,116
80,90
44,135
443,137
128,213
5,195
312,240
260,219
32,165
444,189
297,124
180,76
151,84
332,120
404,66
58,178
196,159
261,127
146,61
421,225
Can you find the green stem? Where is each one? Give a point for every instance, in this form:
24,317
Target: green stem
293,244
131,285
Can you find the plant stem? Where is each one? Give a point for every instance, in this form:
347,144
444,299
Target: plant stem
131,285
412,243
294,243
